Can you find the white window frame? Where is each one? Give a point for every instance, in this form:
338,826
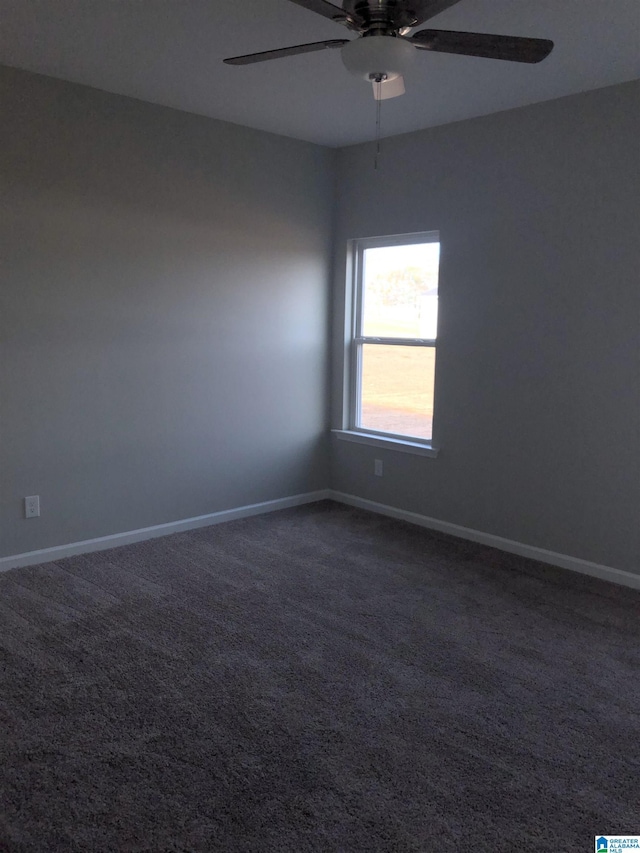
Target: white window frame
356,341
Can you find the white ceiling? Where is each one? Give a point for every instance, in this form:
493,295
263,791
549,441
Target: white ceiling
170,52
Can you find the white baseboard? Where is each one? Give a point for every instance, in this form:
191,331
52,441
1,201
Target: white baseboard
45,555
564,561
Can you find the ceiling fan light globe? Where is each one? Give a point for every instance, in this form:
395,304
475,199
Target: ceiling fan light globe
372,56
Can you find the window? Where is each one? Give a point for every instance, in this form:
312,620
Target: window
394,332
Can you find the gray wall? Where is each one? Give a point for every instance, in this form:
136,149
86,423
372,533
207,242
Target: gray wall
163,317
163,313
538,370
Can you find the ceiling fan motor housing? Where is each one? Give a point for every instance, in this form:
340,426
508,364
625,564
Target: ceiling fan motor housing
378,57
380,16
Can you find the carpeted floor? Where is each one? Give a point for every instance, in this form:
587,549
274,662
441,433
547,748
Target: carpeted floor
318,679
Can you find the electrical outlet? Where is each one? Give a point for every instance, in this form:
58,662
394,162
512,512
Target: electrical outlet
377,467
32,506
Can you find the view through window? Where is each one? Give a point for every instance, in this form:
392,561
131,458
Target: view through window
396,316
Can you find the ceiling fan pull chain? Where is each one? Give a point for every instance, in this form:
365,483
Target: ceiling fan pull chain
378,84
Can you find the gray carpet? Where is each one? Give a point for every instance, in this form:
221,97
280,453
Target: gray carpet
318,679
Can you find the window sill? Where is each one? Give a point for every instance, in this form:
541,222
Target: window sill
399,444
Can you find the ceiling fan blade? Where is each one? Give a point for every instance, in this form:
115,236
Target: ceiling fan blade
250,58
388,88
512,48
322,7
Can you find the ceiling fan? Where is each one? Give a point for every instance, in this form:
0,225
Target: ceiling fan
383,49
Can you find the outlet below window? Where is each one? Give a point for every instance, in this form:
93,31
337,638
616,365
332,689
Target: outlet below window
32,506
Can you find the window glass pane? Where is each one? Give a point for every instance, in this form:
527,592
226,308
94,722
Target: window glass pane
400,291
397,389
